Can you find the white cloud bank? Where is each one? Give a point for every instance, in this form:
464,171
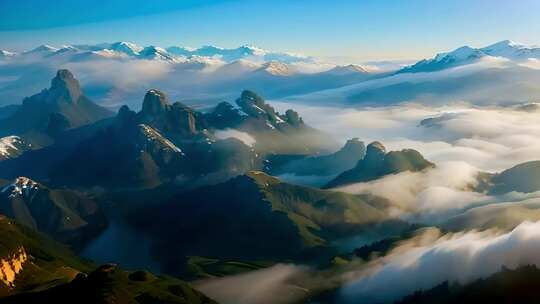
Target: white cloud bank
271,285
232,133
461,257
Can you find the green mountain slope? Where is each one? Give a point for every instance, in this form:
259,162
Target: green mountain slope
36,269
66,215
255,217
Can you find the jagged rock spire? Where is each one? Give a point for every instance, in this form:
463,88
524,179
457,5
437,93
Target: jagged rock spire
155,102
65,85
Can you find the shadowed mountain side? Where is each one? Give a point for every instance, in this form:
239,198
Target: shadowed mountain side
37,269
52,111
378,163
109,284
346,158
289,221
66,215
167,142
507,286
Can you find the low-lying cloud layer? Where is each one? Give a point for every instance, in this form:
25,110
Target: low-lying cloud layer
488,138
419,196
231,133
461,139
460,257
271,285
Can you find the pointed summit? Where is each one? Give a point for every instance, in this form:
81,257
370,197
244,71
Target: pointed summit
375,151
155,102
65,85
127,48
55,109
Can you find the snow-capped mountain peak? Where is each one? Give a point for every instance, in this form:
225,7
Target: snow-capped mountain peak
277,68
156,53
512,50
66,49
460,54
347,69
127,48
43,48
4,53
465,55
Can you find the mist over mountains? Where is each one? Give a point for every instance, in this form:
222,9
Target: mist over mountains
248,172
116,73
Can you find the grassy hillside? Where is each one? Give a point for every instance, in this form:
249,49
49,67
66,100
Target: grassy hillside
255,217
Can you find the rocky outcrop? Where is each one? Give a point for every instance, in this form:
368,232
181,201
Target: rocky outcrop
66,215
11,266
175,119
53,110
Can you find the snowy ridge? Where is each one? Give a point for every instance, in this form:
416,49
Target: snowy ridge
464,55
173,53
153,135
12,146
22,186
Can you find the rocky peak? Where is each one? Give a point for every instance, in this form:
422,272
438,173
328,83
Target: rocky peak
354,145
224,108
65,85
254,105
155,102
126,115
375,151
293,118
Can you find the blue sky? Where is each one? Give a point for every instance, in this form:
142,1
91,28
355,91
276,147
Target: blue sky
356,30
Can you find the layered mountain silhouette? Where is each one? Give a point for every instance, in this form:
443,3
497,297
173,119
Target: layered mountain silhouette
274,132
345,158
167,142
378,163
67,215
290,221
161,143
52,111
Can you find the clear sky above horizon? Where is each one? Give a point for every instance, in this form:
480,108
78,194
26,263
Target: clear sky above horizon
343,30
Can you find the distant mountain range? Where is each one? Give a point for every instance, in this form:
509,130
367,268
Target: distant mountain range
44,115
124,50
118,73
465,55
502,73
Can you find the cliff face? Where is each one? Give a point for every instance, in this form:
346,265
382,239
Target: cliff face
11,266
